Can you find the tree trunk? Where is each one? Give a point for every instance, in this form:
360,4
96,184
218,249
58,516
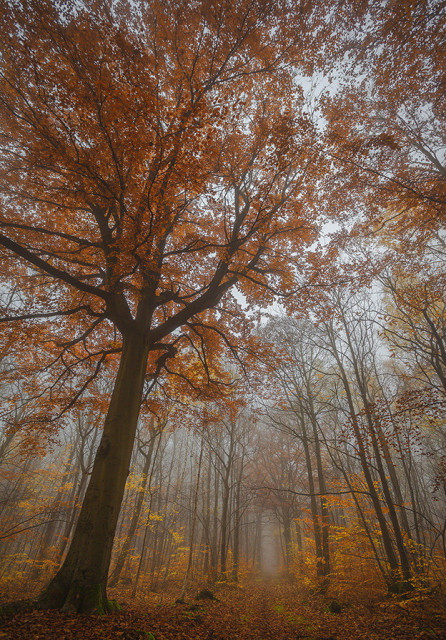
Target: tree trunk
80,584
50,530
225,513
207,520
126,547
80,480
299,542
325,510
193,525
394,573
287,543
214,540
320,565
395,581
237,522
404,558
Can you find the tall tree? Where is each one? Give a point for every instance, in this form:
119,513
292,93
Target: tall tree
154,155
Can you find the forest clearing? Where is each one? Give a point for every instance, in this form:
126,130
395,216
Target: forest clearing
223,319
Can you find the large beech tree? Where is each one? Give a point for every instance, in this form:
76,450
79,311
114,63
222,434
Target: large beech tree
154,155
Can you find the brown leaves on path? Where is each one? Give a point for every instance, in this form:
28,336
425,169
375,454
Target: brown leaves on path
257,611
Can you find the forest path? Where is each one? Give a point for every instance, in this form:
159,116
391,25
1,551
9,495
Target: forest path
259,610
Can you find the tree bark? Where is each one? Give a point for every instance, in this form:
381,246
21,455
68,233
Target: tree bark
80,584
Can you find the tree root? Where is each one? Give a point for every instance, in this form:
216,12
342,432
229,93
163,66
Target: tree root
89,601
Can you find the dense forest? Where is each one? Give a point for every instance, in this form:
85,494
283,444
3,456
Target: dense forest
223,320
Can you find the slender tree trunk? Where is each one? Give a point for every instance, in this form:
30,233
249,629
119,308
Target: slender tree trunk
207,520
225,511
214,540
287,544
143,545
193,525
299,542
74,499
325,510
237,523
51,528
395,583
125,549
320,566
80,584
257,546
224,527
404,559
77,493
394,574
360,511
155,533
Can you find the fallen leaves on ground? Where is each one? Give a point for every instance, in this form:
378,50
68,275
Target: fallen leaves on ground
274,610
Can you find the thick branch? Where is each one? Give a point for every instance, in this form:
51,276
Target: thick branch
48,268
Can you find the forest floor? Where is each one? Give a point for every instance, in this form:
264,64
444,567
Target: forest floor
260,610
